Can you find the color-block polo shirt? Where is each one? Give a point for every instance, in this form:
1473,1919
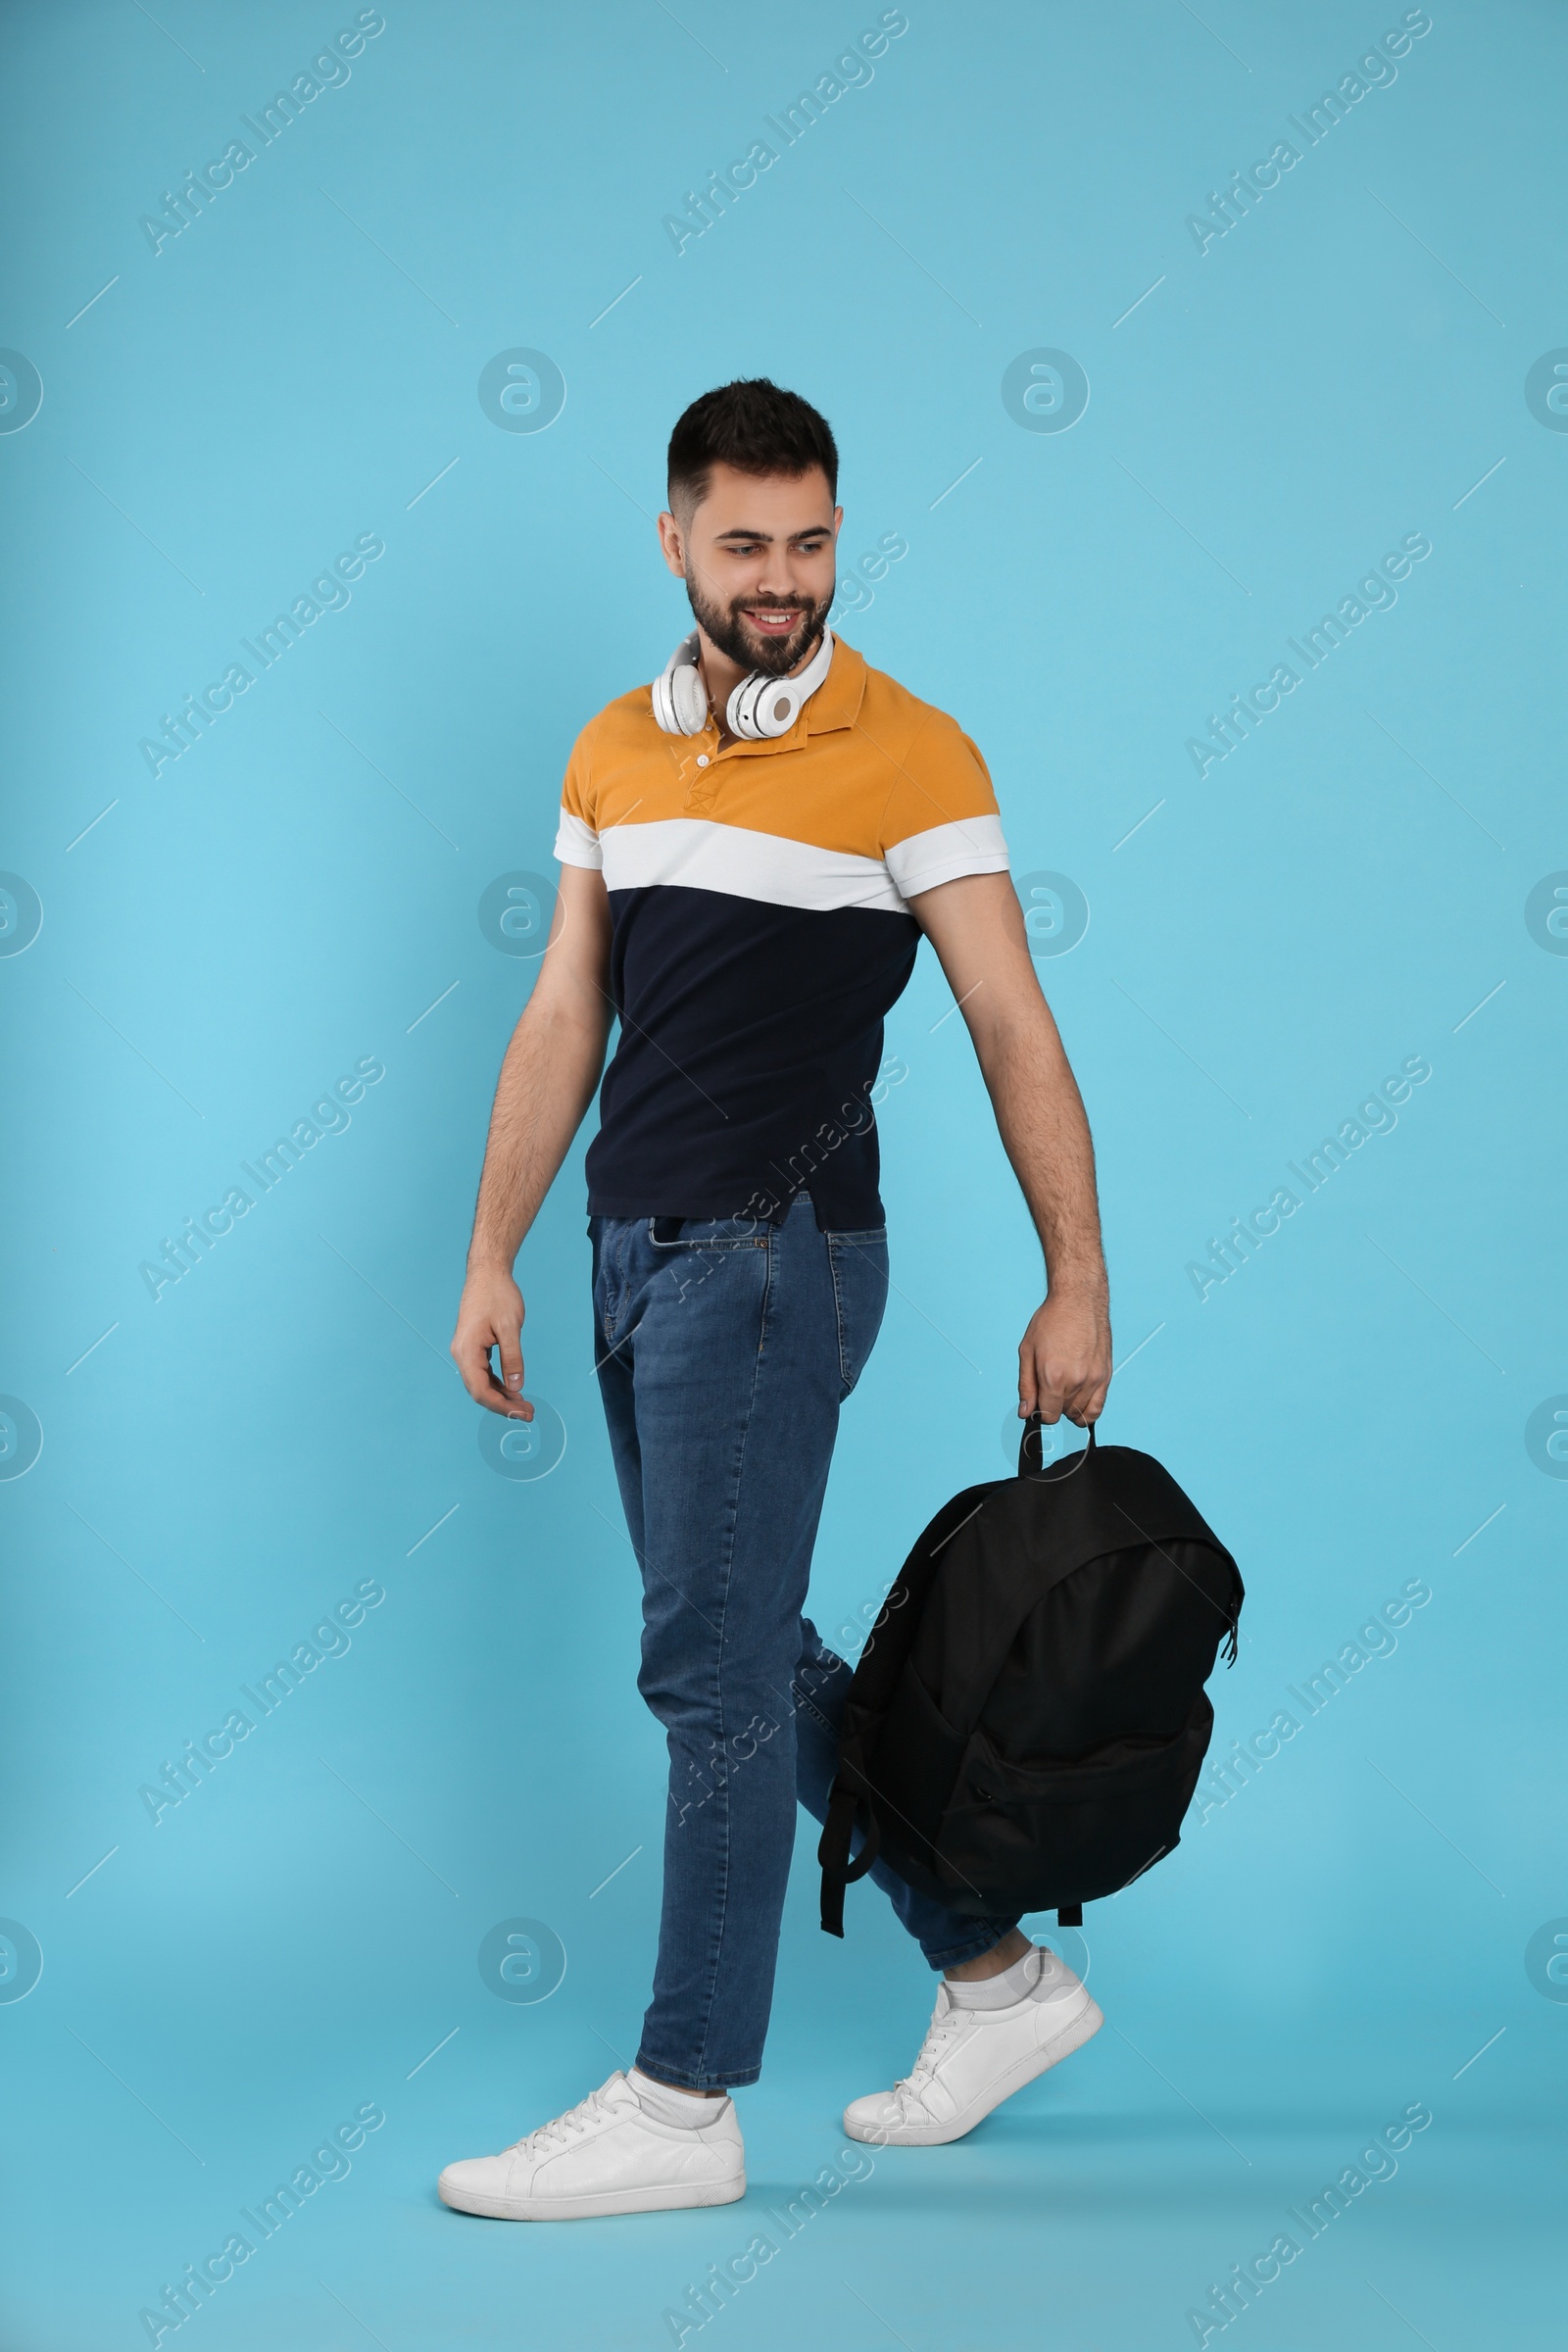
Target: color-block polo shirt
762,930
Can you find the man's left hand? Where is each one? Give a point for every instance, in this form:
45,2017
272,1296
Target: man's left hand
1064,1360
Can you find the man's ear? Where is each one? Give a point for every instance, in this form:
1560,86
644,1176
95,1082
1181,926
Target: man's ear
673,544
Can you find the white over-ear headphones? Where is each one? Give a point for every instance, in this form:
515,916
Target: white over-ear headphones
760,706
681,699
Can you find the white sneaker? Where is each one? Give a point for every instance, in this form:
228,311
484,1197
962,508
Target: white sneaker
972,2059
606,2156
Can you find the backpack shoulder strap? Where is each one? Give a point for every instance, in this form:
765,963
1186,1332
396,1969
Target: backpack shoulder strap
869,1696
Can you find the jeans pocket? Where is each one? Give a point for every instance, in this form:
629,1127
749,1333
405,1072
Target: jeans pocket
612,1287
859,1263
707,1234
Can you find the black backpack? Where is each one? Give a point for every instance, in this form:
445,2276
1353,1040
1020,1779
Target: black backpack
1027,1719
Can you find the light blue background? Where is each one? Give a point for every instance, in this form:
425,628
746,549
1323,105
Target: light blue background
300,890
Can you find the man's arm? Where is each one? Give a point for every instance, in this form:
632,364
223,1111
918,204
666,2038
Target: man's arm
546,1082
976,926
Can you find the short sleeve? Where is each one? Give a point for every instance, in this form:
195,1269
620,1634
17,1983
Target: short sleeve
577,839
940,820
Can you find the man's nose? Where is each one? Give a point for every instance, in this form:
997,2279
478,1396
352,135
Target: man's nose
778,577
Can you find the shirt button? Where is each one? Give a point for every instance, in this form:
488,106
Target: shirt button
702,759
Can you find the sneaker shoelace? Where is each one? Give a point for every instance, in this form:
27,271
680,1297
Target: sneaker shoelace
560,2132
946,2021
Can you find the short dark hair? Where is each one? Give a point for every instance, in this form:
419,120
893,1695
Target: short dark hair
755,426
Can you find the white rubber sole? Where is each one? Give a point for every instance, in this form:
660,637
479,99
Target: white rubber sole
670,2199
1078,2029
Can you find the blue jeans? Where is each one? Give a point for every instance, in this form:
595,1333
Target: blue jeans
725,1352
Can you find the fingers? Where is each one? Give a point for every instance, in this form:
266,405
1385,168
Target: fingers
1038,1390
1064,1363
487,1391
510,1344
1051,1387
1084,1398
471,1356
512,1405
470,1352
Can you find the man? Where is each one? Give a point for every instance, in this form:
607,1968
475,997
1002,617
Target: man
751,851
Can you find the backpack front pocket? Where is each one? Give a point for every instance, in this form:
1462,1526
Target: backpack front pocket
1037,1834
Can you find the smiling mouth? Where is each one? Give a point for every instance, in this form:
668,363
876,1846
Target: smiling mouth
772,621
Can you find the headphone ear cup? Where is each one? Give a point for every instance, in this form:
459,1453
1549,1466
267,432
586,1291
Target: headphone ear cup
737,710
679,696
688,699
762,707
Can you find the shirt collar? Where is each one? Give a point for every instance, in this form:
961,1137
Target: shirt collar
837,700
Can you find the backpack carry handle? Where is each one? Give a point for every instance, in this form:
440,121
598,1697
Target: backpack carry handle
1034,1428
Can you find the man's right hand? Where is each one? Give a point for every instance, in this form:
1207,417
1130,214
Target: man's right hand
491,1315
546,1082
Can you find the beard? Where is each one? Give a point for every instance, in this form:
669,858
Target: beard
774,656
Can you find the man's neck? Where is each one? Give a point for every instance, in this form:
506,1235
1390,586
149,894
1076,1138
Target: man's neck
720,675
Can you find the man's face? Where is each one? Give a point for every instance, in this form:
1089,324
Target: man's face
757,556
